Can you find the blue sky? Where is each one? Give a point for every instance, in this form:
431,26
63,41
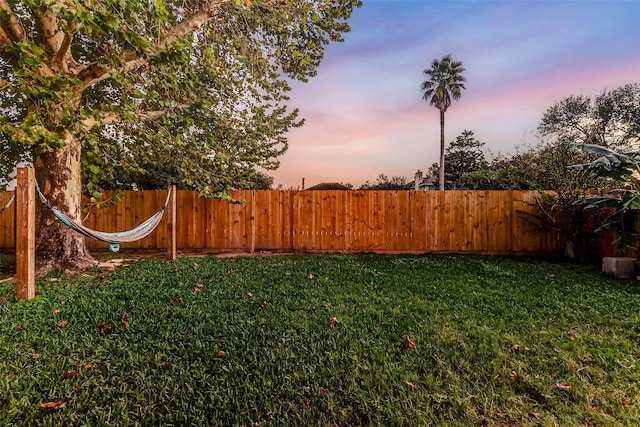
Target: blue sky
364,113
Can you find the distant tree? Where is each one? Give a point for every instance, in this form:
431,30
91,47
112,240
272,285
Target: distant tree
434,169
260,181
462,156
158,176
514,172
444,83
611,119
479,179
385,183
148,176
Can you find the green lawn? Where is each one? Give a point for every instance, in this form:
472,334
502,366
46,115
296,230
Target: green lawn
495,342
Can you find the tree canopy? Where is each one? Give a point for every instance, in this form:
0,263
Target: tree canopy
112,84
383,182
195,83
611,119
463,155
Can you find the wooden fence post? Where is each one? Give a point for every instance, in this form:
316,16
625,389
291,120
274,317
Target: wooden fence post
25,233
171,223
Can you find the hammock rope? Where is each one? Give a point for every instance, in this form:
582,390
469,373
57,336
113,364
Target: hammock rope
114,239
8,203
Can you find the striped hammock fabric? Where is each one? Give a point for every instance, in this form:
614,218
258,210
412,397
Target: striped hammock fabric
114,239
140,232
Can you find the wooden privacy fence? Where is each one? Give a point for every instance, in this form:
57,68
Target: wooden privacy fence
491,222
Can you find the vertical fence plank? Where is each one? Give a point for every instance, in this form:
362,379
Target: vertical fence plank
171,224
354,202
7,220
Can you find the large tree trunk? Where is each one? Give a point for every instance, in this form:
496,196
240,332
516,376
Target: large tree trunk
59,177
441,180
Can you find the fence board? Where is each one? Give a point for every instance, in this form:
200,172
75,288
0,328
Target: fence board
7,220
344,221
418,221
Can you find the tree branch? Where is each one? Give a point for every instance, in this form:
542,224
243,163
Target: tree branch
63,56
207,12
5,40
111,118
93,73
12,26
57,42
48,25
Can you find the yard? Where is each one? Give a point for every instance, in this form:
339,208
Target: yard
322,340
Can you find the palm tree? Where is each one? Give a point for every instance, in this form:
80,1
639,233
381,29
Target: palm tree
444,84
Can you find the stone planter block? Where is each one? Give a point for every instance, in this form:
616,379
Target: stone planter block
621,267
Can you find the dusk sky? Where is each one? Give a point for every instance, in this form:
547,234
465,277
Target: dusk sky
364,112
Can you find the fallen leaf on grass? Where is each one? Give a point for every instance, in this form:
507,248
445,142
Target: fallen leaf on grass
195,265
104,328
199,285
176,301
286,273
196,291
515,348
264,304
309,276
249,294
54,405
536,415
21,328
514,377
125,319
333,321
56,311
166,365
34,356
230,272
410,385
408,343
88,365
70,374
219,354
62,323
69,286
563,386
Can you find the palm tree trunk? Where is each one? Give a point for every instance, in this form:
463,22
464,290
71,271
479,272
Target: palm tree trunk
441,180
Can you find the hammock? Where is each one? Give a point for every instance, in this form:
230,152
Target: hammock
114,239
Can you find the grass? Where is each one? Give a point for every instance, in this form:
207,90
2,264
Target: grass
7,266
496,342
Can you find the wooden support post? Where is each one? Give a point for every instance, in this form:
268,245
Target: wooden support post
25,233
172,208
